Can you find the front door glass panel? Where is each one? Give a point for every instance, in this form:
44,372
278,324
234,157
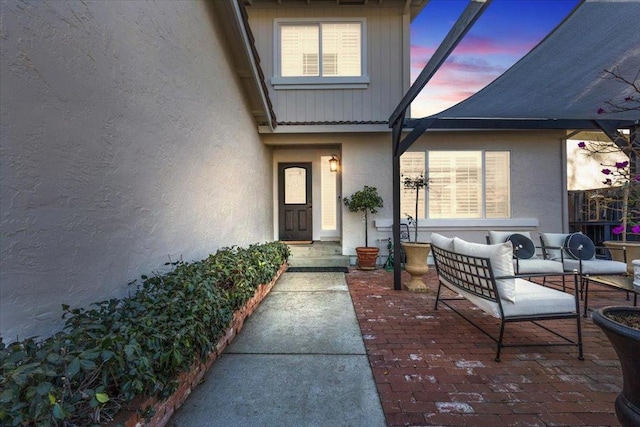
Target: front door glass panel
295,186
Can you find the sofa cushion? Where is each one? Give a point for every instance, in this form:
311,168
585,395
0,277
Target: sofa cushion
523,247
579,246
595,266
554,241
537,266
501,257
442,242
536,299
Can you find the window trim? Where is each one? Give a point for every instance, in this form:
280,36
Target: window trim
425,213
319,82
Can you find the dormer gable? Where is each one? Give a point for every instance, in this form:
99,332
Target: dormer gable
330,64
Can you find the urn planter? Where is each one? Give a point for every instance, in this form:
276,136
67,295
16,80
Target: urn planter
416,265
631,250
626,342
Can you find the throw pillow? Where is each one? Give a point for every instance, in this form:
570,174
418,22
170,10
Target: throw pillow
442,242
580,246
501,256
523,247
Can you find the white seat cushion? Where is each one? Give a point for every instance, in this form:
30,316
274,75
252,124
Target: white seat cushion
534,299
501,256
595,266
442,242
538,266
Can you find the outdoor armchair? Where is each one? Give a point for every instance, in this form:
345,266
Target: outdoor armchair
577,252
528,259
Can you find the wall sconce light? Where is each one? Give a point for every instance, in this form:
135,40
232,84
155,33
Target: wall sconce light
333,164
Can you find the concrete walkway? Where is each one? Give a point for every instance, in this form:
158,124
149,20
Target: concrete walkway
298,361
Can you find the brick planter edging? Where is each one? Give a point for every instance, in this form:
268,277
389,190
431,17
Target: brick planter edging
187,381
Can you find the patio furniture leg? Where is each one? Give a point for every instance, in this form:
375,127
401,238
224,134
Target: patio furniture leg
575,284
438,295
502,323
586,296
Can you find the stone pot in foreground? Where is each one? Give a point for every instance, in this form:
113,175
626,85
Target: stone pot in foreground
626,342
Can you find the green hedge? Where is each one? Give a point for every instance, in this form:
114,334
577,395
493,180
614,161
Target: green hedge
121,348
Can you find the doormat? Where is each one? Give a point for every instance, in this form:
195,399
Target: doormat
297,242
317,270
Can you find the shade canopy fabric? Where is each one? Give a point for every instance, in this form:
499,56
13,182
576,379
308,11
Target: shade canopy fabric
563,77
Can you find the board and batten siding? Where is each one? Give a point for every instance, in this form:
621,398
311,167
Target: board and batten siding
384,39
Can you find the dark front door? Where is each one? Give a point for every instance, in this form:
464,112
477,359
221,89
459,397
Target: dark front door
294,199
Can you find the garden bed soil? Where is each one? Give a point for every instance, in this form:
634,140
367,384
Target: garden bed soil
631,320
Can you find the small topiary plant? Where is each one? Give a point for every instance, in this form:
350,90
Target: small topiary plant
366,201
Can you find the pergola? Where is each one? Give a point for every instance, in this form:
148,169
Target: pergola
560,84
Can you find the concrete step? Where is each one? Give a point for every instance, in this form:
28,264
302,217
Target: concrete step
326,261
316,249
318,254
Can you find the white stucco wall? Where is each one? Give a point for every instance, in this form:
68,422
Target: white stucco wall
125,142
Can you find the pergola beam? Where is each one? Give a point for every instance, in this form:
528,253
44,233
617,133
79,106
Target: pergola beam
514,124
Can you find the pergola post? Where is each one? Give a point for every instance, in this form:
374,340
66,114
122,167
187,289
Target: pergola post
466,20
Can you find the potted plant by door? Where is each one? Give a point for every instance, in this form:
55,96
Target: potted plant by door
621,325
417,252
366,201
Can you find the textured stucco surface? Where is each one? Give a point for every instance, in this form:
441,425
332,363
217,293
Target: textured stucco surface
125,142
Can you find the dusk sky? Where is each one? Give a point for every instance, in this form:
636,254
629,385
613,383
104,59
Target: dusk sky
505,32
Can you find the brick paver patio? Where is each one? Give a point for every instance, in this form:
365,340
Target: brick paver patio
434,368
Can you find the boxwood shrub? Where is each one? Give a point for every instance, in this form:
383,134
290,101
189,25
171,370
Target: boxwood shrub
121,348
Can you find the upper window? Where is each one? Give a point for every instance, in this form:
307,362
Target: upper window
464,184
312,53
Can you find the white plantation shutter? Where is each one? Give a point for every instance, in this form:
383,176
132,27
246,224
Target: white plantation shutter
497,184
412,165
300,50
456,184
341,49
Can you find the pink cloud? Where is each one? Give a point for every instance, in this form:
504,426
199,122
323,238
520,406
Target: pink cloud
471,72
471,65
478,45
475,63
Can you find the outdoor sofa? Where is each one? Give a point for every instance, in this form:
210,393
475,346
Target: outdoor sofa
484,276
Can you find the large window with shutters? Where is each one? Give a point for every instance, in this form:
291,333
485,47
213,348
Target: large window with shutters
319,53
464,184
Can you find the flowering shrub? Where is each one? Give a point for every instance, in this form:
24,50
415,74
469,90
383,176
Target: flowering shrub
622,174
619,175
